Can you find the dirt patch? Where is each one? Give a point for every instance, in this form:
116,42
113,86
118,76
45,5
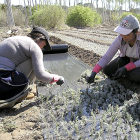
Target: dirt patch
22,122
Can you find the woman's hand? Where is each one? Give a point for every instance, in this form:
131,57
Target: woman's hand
121,71
58,79
90,79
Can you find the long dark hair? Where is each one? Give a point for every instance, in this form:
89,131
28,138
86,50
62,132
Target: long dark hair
135,30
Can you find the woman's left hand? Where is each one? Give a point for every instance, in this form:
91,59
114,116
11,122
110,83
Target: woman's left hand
121,71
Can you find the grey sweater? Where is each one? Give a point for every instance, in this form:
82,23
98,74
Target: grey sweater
15,50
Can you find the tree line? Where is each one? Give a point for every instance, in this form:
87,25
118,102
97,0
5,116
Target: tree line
110,10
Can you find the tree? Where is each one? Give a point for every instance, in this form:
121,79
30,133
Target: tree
10,19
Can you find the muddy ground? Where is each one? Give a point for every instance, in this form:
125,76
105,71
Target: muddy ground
24,120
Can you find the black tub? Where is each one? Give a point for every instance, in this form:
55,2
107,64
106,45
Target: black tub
59,48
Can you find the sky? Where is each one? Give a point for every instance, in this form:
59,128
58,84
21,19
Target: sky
21,2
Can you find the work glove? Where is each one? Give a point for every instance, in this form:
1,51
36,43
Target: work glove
90,79
121,71
60,81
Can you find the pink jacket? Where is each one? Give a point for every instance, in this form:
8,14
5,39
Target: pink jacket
121,46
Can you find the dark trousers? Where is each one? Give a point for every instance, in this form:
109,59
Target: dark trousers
11,83
114,65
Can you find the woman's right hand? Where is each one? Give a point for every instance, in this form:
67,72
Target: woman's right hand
58,79
90,79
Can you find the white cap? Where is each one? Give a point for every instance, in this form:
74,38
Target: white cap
127,25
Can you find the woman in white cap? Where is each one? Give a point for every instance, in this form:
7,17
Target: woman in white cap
21,60
128,62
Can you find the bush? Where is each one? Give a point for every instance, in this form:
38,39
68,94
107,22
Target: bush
2,7
82,16
50,16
